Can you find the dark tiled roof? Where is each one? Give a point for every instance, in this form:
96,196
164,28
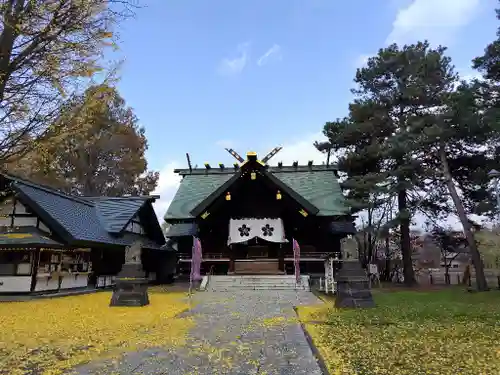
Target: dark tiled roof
182,229
84,219
27,236
317,184
115,213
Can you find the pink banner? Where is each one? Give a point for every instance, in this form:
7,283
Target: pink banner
196,258
296,259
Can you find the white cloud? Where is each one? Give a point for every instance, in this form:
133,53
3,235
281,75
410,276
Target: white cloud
273,53
233,66
438,21
435,20
167,186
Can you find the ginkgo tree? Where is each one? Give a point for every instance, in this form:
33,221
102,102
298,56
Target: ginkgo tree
48,50
97,152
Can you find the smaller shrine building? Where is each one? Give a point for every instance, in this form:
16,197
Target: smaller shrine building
51,241
248,214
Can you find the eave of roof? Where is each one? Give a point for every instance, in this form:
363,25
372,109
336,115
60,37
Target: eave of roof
181,230
27,236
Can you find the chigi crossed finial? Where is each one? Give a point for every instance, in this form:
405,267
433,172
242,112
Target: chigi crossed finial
266,158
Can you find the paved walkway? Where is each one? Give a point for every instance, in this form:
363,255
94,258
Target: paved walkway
241,333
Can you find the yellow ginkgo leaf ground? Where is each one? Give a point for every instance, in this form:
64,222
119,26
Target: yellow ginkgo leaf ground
51,335
440,332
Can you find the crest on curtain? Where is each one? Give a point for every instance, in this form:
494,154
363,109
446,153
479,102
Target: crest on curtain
241,230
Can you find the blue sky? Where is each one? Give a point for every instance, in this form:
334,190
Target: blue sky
254,74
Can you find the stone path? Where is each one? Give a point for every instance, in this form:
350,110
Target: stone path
240,333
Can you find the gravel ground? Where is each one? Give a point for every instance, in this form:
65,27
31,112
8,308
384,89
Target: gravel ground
243,332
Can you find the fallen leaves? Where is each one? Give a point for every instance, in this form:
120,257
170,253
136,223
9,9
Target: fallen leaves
440,333
52,335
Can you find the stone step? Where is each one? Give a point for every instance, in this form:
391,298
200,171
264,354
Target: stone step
248,277
268,282
253,284
254,281
268,287
255,288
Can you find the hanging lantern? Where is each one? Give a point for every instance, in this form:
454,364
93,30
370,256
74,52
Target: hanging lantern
228,196
278,195
253,175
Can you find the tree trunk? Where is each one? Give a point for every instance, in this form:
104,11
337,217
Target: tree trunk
369,249
471,241
409,274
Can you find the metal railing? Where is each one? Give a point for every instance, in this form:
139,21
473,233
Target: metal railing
327,286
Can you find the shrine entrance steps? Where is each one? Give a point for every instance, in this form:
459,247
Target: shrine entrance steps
257,267
254,282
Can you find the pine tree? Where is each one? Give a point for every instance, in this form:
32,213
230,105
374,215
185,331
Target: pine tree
377,153
489,63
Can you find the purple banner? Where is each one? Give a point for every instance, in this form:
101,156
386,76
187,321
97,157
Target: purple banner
296,260
196,258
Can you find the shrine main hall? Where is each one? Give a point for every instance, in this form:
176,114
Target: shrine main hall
247,215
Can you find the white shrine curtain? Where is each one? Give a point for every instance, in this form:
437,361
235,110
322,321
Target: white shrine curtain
241,230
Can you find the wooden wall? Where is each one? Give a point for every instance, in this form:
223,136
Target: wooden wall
14,214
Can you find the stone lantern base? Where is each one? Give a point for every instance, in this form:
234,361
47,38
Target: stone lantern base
353,288
131,287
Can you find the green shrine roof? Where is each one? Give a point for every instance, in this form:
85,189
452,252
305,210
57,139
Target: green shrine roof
192,191
317,184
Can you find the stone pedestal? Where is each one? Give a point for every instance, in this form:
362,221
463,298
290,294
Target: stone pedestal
353,288
131,287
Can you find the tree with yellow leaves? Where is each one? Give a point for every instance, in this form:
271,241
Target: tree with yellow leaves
48,48
105,157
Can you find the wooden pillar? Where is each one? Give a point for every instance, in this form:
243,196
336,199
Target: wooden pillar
231,259
281,258
34,268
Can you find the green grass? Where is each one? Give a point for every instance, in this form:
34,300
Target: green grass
409,332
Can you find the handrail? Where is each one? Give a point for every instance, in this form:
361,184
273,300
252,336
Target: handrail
210,274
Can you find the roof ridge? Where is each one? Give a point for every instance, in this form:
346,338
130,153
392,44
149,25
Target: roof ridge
46,188
103,197
214,172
